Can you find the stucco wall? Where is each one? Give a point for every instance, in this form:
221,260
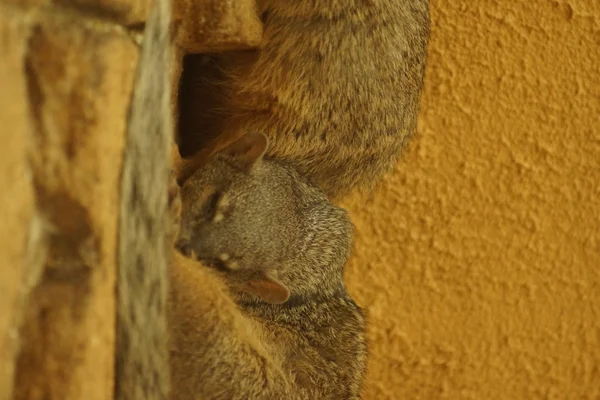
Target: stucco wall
480,258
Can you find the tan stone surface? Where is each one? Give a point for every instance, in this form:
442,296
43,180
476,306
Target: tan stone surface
216,25
79,82
125,12
25,4
479,259
16,202
128,12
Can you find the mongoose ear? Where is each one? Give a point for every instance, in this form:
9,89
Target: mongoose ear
248,149
268,288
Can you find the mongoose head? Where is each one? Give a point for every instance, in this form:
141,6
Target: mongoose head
238,216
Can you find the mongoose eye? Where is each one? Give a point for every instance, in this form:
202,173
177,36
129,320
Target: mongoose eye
220,265
212,206
216,264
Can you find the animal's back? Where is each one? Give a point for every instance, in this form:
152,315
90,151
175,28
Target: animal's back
336,86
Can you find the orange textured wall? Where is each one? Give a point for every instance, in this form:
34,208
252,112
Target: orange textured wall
479,259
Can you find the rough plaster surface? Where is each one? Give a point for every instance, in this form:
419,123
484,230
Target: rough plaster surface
479,259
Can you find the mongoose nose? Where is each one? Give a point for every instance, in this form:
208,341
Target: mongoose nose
184,247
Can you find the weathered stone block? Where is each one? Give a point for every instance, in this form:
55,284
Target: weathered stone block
16,202
79,78
127,12
25,4
216,25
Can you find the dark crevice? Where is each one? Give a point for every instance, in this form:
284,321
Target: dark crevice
34,90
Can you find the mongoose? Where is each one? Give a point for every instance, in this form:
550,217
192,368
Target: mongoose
335,86
264,314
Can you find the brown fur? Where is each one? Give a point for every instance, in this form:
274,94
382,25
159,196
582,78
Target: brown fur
265,313
240,341
335,86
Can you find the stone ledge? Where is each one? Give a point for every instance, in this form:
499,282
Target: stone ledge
216,25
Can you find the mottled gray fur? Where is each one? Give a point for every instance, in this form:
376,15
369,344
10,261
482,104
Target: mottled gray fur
263,221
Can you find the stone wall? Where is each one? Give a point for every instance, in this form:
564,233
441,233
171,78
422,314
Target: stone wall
86,131
67,83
